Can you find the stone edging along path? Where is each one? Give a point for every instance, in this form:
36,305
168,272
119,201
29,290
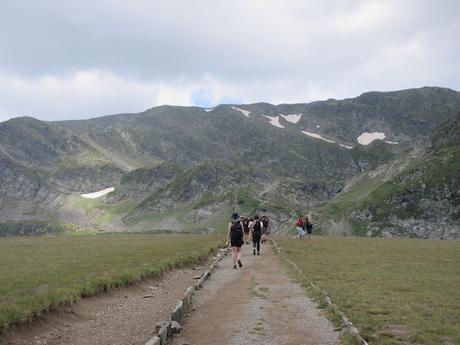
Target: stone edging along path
166,329
346,324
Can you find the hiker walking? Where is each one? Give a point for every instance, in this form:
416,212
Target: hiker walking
299,224
246,229
235,237
265,228
256,227
308,227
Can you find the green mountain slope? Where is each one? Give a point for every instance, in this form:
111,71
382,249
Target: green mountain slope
186,168
415,195
56,155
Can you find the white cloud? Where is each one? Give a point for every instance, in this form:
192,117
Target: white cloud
85,94
110,56
368,15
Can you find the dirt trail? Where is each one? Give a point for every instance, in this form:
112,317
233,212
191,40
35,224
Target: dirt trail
125,316
257,304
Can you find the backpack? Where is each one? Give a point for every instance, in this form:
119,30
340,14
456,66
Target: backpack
299,222
265,222
257,226
236,227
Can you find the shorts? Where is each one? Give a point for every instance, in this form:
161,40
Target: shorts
300,231
236,241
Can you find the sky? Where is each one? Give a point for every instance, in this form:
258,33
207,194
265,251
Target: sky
87,58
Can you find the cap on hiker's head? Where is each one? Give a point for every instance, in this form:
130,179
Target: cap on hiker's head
235,215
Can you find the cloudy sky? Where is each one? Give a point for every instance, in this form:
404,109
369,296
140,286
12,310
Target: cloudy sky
87,58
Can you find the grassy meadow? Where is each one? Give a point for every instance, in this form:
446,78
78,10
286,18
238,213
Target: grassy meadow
38,274
395,291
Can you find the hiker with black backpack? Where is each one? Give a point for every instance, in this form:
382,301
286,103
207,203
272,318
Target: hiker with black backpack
246,230
265,228
235,237
308,227
256,228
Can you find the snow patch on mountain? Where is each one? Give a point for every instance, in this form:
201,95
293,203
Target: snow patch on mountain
208,109
366,138
391,142
293,118
98,194
347,147
317,136
242,111
275,121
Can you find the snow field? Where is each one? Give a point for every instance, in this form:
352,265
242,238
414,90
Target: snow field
99,194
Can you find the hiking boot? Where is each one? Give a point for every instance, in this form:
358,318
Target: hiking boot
254,251
240,264
234,267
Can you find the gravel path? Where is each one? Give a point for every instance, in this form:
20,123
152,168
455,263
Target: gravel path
257,304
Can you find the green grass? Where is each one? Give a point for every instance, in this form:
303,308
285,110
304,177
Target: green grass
395,291
31,228
112,211
87,205
39,274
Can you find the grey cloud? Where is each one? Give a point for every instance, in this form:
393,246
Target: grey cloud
335,48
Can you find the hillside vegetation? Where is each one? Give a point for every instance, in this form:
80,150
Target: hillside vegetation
416,195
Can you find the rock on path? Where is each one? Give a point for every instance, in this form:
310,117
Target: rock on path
258,304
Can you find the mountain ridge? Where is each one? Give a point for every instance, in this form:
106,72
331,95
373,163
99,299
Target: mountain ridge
298,170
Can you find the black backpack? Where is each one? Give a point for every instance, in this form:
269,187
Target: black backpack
265,222
236,227
257,226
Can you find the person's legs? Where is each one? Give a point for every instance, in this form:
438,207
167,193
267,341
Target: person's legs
256,243
299,232
234,255
238,256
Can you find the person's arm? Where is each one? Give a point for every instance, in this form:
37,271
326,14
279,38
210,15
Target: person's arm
229,231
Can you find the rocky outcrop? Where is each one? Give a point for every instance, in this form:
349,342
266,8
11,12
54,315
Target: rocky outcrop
20,183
